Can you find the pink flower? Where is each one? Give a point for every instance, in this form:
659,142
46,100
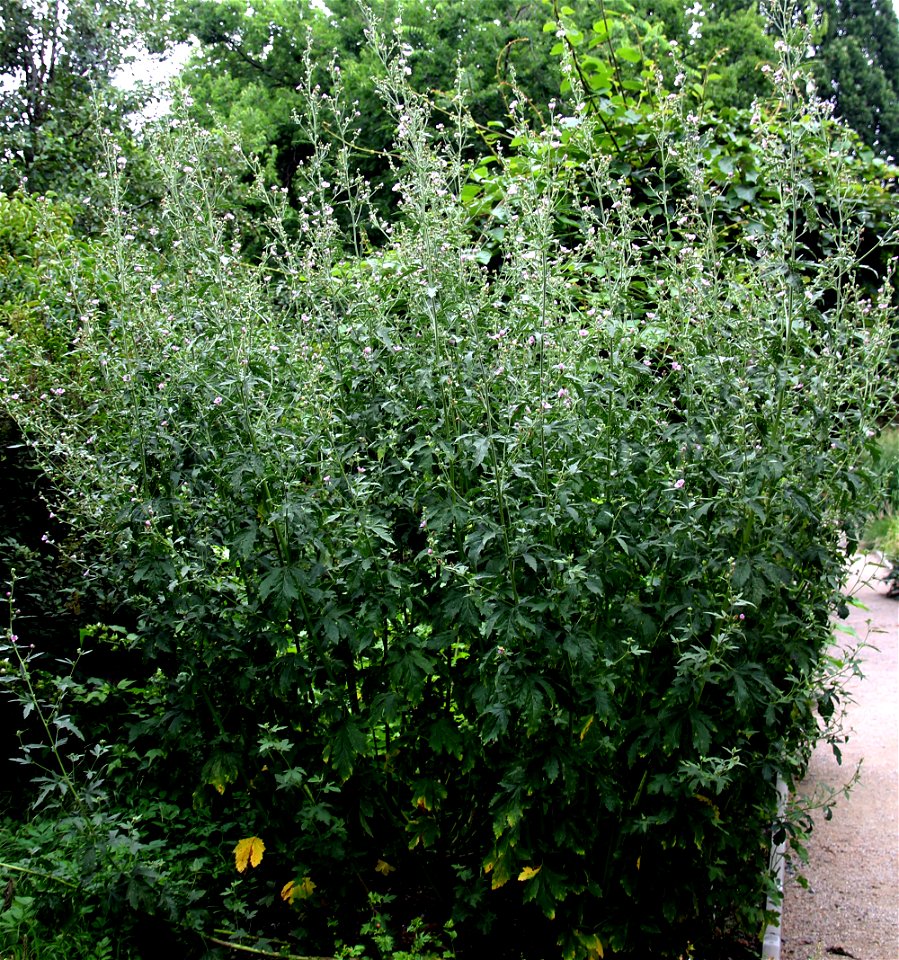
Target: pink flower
217,401
678,483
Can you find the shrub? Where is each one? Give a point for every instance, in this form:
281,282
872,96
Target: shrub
882,530
504,590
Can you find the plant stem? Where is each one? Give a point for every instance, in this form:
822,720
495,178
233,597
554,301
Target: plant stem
38,873
262,953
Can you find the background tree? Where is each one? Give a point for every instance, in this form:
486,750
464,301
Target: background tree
858,65
57,62
732,43
251,63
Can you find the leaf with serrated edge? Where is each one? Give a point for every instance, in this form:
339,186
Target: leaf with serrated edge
248,852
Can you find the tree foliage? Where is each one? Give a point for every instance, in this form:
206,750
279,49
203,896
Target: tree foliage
858,65
57,61
252,63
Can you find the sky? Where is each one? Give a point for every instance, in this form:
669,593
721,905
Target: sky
156,71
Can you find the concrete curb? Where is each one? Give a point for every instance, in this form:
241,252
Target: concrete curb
771,943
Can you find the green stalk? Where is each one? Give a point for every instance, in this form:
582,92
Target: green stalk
38,873
39,711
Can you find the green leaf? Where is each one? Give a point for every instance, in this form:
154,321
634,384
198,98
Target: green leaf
629,54
600,30
347,743
727,165
601,77
481,449
551,769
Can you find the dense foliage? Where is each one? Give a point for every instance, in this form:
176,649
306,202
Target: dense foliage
483,576
469,557
251,61
58,62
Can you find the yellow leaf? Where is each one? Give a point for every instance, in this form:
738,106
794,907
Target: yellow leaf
702,799
248,852
593,945
219,772
384,867
500,870
297,891
305,889
586,726
529,872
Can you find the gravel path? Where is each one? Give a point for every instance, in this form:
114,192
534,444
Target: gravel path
851,907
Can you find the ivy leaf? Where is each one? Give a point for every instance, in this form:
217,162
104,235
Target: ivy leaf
726,165
248,852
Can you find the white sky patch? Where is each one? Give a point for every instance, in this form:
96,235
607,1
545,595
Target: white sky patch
153,71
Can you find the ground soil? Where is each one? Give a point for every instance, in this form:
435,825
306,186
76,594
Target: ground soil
851,905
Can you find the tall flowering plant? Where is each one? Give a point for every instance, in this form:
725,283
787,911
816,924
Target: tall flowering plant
494,569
